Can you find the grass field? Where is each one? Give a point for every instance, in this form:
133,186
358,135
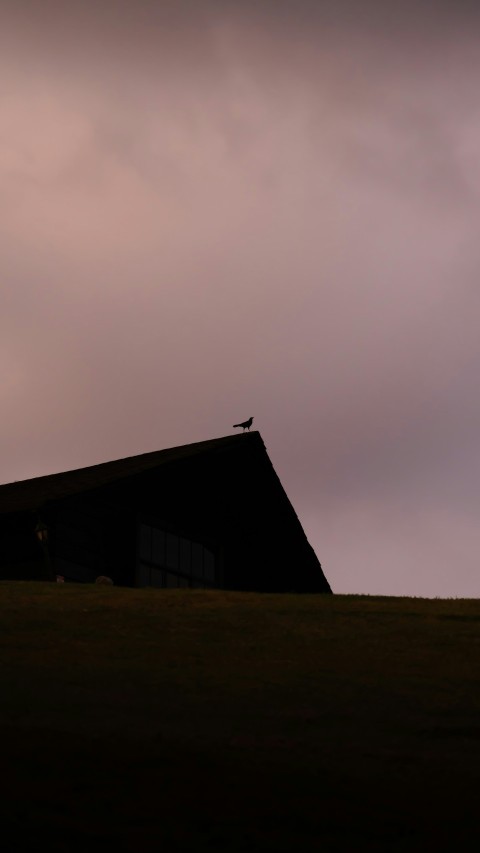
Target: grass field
144,720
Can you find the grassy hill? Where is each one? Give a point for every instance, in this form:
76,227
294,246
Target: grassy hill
144,720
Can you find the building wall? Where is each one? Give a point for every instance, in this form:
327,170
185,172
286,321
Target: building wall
21,555
233,504
93,535
227,506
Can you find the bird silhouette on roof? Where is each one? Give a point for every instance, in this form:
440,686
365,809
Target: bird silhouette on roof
245,424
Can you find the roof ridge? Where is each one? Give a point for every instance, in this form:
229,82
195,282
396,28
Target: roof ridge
116,468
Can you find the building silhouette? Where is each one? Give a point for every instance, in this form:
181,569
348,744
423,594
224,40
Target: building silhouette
211,515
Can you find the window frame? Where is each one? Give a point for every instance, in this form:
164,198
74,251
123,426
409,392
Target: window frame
146,563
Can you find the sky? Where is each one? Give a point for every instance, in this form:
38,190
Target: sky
212,210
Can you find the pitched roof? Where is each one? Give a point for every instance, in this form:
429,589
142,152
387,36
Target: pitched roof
32,494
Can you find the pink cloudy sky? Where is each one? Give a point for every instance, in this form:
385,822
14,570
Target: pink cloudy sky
211,210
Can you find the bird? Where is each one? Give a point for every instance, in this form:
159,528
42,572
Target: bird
245,424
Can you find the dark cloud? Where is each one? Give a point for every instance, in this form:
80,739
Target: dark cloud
217,210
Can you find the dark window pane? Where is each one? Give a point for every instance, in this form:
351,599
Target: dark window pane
145,543
158,547
197,560
157,579
172,555
209,565
185,556
143,575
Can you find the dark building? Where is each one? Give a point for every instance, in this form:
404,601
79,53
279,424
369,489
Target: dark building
210,514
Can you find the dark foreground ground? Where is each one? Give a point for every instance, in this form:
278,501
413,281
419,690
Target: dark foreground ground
189,720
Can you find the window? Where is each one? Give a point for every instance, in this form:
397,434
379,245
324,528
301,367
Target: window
143,576
156,578
172,556
158,546
170,561
186,556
